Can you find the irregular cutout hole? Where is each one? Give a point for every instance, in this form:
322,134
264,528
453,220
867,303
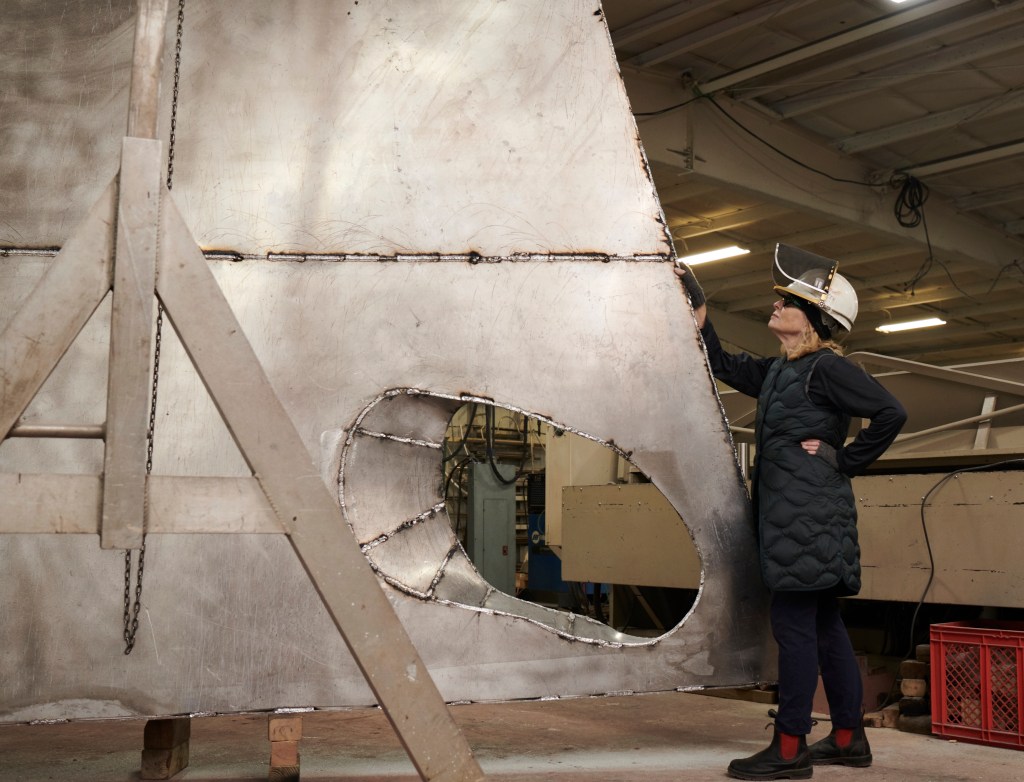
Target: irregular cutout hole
567,523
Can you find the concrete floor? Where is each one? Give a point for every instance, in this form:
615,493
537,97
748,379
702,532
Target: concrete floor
642,738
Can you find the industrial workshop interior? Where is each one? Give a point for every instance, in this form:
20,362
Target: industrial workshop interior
365,411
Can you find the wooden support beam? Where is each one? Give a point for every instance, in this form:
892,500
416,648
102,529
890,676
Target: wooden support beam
147,56
41,331
284,732
165,747
222,355
131,342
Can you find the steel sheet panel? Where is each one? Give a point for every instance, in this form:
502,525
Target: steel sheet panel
315,126
453,144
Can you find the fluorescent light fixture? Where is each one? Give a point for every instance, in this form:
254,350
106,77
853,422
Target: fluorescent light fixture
713,255
911,324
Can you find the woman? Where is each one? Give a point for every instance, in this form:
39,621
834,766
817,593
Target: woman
804,506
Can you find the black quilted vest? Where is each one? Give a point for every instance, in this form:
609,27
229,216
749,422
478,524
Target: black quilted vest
807,518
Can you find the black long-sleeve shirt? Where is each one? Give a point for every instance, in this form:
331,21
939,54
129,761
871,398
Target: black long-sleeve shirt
837,382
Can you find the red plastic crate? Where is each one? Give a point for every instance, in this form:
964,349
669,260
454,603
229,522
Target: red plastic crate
978,682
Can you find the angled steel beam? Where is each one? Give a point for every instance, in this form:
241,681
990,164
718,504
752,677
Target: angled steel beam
989,107
966,17
688,227
652,23
902,72
983,200
713,32
962,377
825,45
978,157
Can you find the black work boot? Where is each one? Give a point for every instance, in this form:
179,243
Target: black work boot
770,764
827,752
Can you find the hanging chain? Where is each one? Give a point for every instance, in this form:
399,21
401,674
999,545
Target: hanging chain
174,97
131,610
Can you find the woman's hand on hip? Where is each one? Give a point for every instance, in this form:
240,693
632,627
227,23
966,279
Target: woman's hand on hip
811,446
821,450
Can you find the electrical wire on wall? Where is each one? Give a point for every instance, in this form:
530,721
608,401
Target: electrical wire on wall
924,528
489,425
909,654
465,437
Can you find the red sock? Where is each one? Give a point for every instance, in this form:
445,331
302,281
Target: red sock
843,737
788,745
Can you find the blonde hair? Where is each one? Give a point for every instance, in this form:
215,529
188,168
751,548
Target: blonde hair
810,342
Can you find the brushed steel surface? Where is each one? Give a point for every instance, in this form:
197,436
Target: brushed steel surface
606,349
318,126
271,446
434,159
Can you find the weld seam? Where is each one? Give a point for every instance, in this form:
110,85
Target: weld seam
397,438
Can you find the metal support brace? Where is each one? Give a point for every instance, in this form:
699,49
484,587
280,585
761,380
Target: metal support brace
984,426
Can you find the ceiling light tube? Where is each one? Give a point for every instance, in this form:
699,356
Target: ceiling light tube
888,328
713,255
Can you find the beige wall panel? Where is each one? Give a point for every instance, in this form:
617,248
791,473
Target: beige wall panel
974,523
571,460
626,534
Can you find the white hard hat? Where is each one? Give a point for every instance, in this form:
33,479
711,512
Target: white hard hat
814,279
836,298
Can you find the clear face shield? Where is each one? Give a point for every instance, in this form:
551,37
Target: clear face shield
802,273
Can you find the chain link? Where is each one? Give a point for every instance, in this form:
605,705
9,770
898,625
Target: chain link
174,98
131,610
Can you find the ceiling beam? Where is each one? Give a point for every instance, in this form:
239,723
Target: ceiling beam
805,239
1014,227
932,123
734,153
879,342
653,23
689,226
713,32
979,157
897,300
826,45
912,68
967,17
984,200
977,351
685,190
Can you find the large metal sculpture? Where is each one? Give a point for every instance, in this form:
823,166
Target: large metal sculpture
401,209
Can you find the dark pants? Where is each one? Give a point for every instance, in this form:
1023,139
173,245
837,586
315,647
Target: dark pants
810,634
